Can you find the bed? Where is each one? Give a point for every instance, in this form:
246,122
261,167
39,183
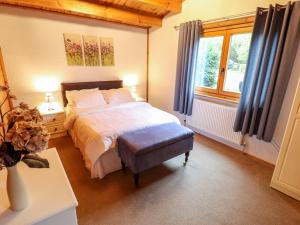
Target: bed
94,130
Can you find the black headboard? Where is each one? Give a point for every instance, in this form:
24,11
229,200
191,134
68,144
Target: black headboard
102,85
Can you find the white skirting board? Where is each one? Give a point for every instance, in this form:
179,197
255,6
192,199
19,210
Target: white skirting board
218,138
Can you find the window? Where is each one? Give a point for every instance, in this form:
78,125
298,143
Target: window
222,59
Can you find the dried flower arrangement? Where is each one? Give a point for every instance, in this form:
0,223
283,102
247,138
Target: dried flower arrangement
22,135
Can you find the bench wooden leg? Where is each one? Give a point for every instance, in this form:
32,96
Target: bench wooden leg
136,178
187,154
123,166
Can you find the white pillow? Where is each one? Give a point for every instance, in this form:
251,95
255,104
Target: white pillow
117,96
85,98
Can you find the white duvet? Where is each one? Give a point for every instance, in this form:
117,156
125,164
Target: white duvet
96,129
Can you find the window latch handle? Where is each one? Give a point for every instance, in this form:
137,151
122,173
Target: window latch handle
222,71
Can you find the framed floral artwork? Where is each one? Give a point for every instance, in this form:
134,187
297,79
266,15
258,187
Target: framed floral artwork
73,48
107,52
91,51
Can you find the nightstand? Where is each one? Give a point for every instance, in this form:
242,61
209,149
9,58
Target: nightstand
54,121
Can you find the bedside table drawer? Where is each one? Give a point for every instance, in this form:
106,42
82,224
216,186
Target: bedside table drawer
54,122
55,128
54,118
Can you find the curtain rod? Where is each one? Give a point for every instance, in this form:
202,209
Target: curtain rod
226,18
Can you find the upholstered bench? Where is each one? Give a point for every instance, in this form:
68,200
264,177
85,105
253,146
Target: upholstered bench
143,149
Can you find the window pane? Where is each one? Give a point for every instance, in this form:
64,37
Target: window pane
236,63
209,58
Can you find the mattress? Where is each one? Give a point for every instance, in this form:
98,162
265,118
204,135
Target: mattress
95,131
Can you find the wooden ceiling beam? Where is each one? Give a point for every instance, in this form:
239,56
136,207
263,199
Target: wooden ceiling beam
168,5
89,10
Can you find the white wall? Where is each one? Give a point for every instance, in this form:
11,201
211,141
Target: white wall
33,46
163,55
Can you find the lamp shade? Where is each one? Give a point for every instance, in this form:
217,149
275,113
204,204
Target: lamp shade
46,84
130,80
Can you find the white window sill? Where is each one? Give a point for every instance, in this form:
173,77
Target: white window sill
217,100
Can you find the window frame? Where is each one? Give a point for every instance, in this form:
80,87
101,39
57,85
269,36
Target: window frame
225,29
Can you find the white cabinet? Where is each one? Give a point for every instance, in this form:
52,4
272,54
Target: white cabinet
286,177
52,201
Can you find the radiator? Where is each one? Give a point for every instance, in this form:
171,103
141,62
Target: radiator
215,121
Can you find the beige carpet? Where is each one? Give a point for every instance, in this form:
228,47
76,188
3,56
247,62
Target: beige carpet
219,185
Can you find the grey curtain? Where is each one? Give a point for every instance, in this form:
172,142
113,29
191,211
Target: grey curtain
272,54
188,44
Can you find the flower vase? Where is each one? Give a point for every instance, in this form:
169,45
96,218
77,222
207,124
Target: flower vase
16,189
